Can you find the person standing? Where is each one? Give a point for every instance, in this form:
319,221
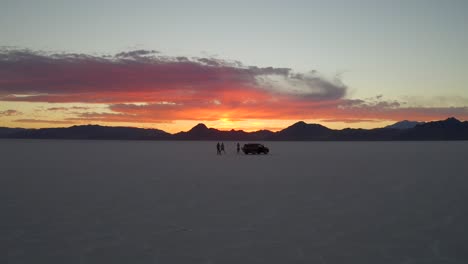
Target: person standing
218,149
222,148
238,147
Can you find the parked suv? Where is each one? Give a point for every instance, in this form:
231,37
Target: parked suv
255,148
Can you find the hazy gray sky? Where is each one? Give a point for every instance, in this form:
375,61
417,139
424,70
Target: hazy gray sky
381,47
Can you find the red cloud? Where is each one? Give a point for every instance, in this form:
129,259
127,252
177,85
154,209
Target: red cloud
137,76
179,88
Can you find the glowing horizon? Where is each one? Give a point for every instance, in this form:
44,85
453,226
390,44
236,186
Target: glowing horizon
146,89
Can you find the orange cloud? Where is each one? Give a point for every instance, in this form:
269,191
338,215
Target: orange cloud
145,87
10,112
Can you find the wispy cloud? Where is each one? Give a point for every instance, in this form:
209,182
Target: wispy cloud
10,112
396,111
67,108
349,121
44,121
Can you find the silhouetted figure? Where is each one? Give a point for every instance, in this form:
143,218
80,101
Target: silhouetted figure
238,147
222,148
218,149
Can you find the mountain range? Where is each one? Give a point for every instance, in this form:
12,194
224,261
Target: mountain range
449,129
405,124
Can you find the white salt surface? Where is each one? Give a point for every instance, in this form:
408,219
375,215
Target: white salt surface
178,202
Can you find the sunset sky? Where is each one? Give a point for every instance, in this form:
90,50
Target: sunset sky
232,64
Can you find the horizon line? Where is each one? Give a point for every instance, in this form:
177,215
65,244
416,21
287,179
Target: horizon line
232,129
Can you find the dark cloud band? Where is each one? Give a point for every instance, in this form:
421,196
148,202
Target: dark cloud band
26,72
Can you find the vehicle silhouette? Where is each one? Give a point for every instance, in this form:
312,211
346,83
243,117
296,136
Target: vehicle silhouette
255,148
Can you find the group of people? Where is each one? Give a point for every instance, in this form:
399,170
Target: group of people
220,148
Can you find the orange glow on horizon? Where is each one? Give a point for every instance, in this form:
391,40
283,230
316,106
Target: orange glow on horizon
173,94
222,114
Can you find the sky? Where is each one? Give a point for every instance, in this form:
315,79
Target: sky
232,64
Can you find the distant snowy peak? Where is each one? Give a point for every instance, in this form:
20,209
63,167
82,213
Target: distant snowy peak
405,124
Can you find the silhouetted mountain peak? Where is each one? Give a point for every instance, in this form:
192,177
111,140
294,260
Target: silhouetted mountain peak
448,129
302,131
199,128
449,122
405,124
452,120
300,123
303,125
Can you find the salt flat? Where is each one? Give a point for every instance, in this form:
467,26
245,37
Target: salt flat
178,202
